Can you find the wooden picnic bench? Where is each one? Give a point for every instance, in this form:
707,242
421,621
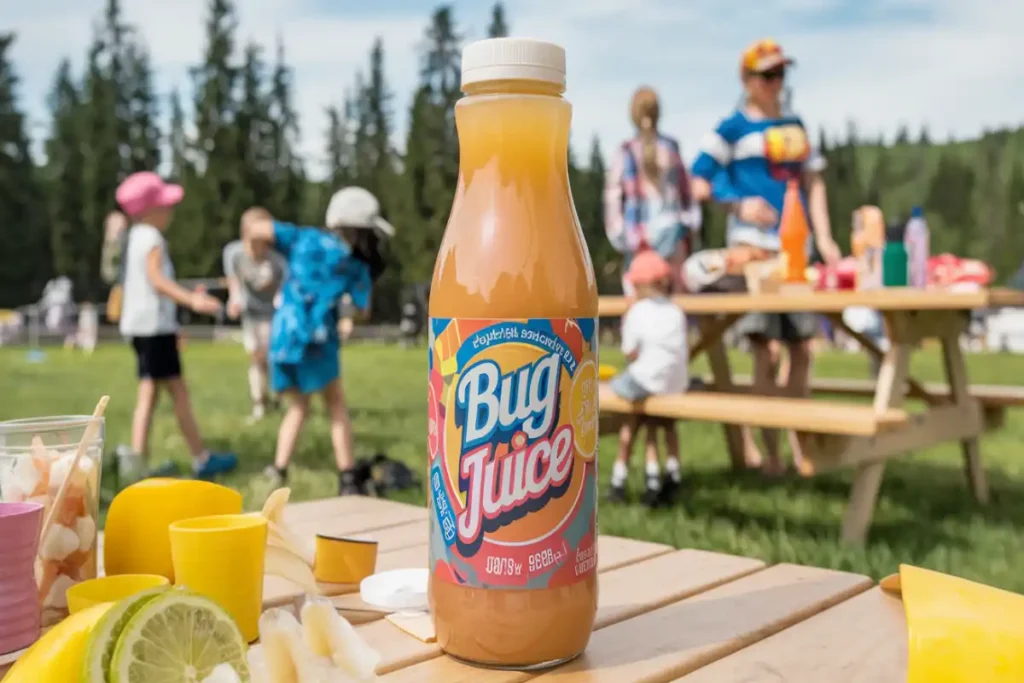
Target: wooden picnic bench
955,410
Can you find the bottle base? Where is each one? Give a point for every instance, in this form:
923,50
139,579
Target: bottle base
541,666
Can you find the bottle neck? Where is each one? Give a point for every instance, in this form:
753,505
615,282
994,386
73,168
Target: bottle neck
519,128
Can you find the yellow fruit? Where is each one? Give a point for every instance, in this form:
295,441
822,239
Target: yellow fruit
136,538
59,654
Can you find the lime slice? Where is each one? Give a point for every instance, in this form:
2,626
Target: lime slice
178,637
103,638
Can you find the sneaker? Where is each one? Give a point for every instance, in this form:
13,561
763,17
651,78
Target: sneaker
258,413
277,478
653,492
617,494
166,469
669,488
348,484
216,463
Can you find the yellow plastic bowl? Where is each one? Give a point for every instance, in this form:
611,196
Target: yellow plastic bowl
344,559
84,595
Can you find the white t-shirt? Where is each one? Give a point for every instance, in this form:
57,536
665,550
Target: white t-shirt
145,313
656,328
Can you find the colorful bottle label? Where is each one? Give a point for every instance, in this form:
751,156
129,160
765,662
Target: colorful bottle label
512,443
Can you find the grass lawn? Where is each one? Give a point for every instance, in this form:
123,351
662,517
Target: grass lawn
925,514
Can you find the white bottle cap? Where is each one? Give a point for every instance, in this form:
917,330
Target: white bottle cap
398,590
519,59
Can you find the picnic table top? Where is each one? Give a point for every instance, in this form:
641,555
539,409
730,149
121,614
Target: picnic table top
664,614
888,299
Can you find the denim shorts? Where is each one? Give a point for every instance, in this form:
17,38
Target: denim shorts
318,368
625,386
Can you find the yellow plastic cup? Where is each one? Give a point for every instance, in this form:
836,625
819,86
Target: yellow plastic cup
84,595
221,557
341,559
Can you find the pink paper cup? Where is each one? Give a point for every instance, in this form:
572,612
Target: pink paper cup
20,524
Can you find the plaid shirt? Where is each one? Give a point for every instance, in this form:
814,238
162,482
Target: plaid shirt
636,218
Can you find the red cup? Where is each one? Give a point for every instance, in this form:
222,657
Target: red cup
20,524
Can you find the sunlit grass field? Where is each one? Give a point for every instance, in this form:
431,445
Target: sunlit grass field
925,514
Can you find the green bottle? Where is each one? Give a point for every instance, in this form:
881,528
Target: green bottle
894,257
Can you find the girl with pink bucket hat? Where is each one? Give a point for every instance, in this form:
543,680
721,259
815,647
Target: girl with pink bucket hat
654,341
149,317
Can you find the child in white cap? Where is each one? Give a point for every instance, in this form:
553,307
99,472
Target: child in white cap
324,266
149,317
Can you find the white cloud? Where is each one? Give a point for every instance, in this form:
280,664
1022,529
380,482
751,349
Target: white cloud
949,64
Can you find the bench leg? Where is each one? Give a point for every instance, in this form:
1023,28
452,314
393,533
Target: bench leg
956,375
718,358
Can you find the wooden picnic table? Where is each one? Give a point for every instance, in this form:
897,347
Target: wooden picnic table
663,615
911,316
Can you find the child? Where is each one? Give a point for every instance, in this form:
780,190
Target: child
148,317
654,341
254,272
88,327
323,267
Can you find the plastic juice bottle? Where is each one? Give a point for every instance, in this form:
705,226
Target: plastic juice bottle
512,395
894,258
793,233
917,241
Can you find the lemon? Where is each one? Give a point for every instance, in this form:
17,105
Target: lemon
58,655
178,637
103,639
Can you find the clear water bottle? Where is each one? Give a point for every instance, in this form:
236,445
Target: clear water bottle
917,240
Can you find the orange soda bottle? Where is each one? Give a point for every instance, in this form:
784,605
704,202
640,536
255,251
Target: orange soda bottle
512,390
793,233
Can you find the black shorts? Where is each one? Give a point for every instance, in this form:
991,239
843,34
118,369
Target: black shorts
157,356
784,327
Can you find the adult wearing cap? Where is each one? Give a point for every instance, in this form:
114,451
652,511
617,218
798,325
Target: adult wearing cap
324,267
745,164
647,193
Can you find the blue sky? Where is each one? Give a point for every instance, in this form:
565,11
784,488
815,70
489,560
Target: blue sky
952,65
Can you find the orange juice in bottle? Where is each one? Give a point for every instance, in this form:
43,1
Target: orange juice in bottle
512,394
793,234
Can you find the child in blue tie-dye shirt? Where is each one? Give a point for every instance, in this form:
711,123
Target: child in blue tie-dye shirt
324,266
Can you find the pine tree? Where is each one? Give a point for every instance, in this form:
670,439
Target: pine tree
289,177
103,166
143,113
949,199
64,173
178,138
431,165
499,25
25,255
214,201
254,131
1010,252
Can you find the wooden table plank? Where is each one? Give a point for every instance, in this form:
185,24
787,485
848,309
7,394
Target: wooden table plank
613,553
387,512
622,593
674,640
862,640
887,299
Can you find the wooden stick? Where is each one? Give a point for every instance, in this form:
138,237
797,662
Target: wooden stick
83,446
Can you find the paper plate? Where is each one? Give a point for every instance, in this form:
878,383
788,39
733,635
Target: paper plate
959,630
399,590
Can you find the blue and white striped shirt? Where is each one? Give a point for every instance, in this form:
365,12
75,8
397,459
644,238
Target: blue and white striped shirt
746,157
